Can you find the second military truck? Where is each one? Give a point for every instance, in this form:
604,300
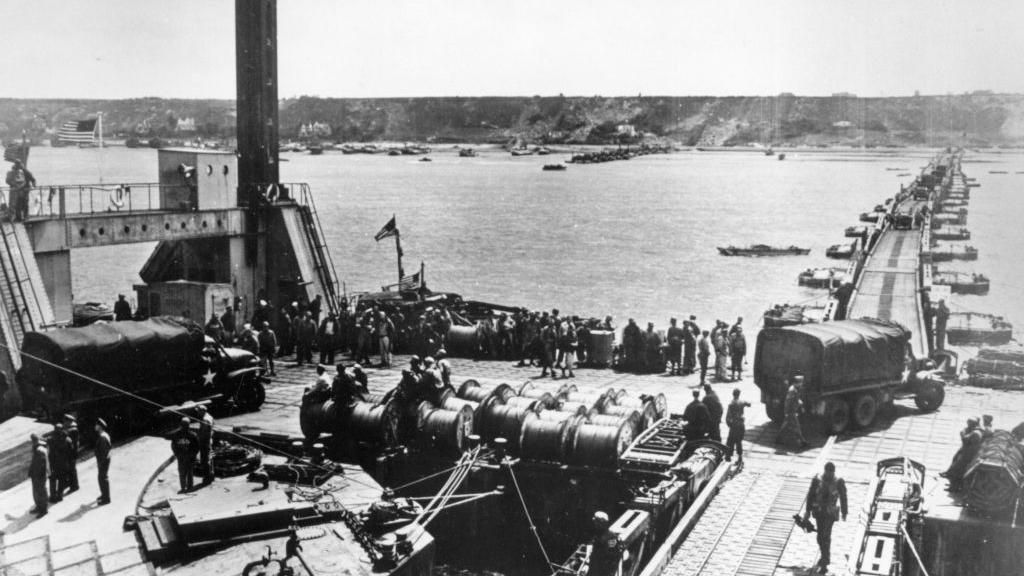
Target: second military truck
851,369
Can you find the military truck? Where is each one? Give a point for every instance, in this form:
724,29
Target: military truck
125,371
851,369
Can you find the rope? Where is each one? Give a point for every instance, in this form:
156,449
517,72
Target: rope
533,528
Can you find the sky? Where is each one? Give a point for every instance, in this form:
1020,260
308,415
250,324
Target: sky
382,48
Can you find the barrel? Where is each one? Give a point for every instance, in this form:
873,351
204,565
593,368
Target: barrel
599,349
631,418
659,401
600,446
479,389
501,421
646,411
547,440
463,341
445,430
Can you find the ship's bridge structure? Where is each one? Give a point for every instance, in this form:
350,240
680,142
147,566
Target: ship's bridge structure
215,247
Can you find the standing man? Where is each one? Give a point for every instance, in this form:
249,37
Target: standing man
691,333
941,317
826,499
205,443
715,412
737,426
268,347
794,404
74,441
697,418
21,182
59,450
38,470
738,349
385,330
326,339
102,451
305,332
675,338
122,309
704,347
185,445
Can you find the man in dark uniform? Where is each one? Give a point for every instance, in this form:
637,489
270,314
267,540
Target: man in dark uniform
941,317
21,182
826,499
37,472
205,437
605,553
102,451
185,445
714,406
970,443
737,425
60,449
697,418
691,332
122,309
74,441
267,347
794,404
675,336
704,354
632,345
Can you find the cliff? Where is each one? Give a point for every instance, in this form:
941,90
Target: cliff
979,118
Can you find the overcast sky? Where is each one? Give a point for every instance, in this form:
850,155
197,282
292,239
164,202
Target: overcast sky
366,48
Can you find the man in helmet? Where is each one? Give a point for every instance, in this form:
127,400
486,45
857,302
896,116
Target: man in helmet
826,499
185,445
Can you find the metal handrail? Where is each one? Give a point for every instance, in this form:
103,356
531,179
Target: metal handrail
63,200
306,199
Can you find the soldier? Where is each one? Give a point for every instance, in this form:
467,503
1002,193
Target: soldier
305,333
60,449
826,499
205,437
74,439
737,425
37,472
792,409
445,368
691,332
122,309
385,331
675,347
185,445
705,353
970,443
941,318
102,451
714,406
605,553
697,418
267,347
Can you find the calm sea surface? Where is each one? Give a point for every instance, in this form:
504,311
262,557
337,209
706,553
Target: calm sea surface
632,238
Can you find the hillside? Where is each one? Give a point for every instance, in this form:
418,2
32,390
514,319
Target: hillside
974,119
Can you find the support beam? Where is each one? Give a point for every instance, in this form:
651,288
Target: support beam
108,229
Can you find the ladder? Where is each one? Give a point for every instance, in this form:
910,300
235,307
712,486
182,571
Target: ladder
322,261
656,449
26,304
895,492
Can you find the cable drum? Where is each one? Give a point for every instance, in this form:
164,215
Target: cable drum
646,412
546,440
553,388
632,418
445,430
597,402
479,390
378,424
452,402
500,421
600,446
575,408
374,398
535,404
548,399
463,341
659,401
558,415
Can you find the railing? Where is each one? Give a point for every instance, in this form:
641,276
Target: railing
325,264
61,201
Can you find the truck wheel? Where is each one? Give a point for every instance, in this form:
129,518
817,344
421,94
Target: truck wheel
837,416
250,393
864,410
930,396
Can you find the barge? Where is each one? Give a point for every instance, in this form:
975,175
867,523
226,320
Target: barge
961,282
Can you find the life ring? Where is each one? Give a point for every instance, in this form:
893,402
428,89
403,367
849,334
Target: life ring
272,193
117,197
37,205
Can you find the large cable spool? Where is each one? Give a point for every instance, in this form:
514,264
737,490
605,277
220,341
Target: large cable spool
501,421
576,408
537,404
546,440
374,398
598,402
463,341
646,411
559,416
659,401
600,446
445,430
374,423
478,390
632,418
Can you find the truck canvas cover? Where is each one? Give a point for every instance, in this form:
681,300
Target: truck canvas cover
831,354
131,355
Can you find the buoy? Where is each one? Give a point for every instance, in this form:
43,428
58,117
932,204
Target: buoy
117,197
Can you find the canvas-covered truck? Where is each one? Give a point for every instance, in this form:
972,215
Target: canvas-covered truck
851,369
163,360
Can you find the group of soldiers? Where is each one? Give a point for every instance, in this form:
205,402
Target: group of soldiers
971,438
684,346
55,460
187,446
703,417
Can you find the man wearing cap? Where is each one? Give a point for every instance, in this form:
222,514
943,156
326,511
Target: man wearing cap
384,330
21,182
737,425
205,437
74,441
268,348
362,382
305,333
60,449
691,332
715,411
102,451
445,368
675,347
185,445
970,443
38,470
605,551
697,418
826,499
792,410
122,309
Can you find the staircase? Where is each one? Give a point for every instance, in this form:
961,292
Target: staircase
320,256
25,304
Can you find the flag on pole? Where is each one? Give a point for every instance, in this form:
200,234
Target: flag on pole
390,229
16,152
83,131
410,282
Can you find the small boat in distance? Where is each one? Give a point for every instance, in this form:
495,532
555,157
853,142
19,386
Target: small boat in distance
976,328
553,167
425,159
961,282
467,153
841,251
763,250
315,148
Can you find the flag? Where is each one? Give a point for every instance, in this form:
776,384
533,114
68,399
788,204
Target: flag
410,282
77,131
390,229
16,152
